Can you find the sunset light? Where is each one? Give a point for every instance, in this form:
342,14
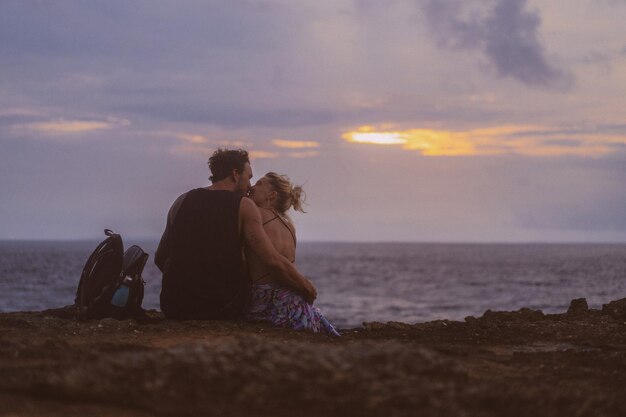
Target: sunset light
429,142
526,140
377,138
69,126
295,144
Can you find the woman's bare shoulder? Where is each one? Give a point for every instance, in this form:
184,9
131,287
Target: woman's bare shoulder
266,214
290,225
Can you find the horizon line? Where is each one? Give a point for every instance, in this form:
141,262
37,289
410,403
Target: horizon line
424,242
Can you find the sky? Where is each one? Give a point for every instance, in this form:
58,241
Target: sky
404,120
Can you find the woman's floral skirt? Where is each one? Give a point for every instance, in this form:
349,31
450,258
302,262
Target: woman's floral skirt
284,308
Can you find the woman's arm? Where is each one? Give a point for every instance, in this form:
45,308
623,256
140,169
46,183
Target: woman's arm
258,241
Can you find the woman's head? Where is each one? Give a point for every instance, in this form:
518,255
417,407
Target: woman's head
276,191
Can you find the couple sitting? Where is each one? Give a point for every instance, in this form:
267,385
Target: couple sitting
208,231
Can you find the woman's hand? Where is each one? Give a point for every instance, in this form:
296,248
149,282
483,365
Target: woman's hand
309,293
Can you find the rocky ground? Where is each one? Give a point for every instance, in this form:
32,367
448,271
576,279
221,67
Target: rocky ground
521,363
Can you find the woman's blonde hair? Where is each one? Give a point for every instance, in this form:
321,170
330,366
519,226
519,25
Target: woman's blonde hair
288,195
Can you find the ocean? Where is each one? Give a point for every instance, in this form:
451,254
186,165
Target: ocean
357,282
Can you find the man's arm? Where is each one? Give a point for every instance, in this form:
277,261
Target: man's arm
163,251
256,239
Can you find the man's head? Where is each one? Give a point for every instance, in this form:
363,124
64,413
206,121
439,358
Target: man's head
232,166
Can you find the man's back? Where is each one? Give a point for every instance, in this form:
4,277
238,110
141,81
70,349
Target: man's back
204,276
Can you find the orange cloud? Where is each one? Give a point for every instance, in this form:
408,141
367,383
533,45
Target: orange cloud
192,138
62,126
295,144
513,139
263,155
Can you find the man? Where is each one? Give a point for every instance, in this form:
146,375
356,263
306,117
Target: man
200,252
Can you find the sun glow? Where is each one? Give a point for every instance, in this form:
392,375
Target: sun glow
498,140
377,138
429,142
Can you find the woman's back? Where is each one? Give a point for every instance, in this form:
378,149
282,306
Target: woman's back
282,233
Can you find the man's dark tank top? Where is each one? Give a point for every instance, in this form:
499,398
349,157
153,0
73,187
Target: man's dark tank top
206,276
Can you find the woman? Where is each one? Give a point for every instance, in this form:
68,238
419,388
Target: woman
271,300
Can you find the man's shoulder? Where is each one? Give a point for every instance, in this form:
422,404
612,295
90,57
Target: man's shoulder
182,197
179,200
175,207
247,208
247,203
178,203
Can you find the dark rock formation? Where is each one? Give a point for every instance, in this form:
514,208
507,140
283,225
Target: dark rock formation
578,306
523,314
615,309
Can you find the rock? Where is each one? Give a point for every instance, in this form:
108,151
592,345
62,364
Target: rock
578,306
530,314
615,309
523,314
390,325
398,325
373,325
240,373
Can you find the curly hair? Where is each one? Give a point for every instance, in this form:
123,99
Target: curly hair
223,161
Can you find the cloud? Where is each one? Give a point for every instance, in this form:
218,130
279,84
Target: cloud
194,144
193,138
64,127
198,149
191,149
505,32
272,155
202,110
295,144
236,64
20,112
499,140
263,154
230,64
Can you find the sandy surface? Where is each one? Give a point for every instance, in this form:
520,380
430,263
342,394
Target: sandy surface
520,363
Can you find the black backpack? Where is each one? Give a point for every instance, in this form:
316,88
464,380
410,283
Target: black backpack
111,284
